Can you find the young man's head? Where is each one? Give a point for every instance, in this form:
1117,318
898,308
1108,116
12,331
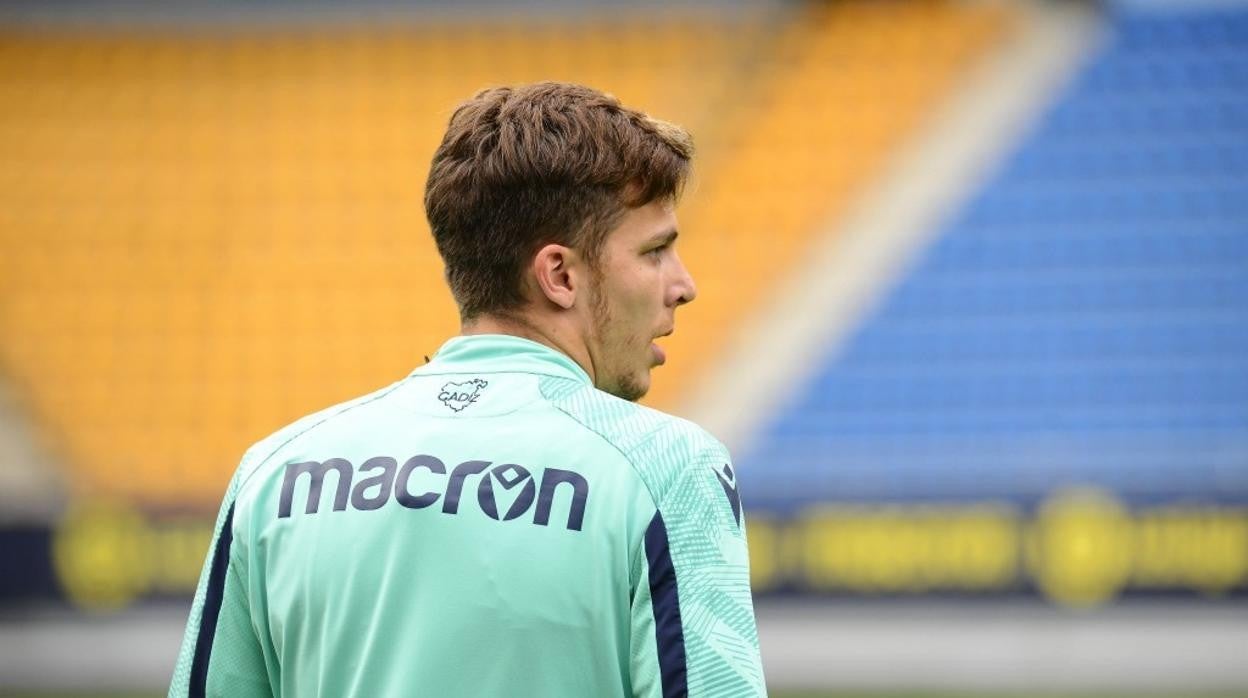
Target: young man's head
552,206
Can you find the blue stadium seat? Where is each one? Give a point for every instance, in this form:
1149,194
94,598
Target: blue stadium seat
1083,320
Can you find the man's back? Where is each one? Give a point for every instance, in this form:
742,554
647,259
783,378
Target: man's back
491,525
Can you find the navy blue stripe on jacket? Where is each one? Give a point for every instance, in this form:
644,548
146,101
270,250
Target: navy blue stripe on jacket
668,630
212,607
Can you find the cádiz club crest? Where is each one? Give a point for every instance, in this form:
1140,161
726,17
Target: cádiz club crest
457,396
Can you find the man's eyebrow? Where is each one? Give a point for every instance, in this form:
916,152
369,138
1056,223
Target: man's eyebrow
665,237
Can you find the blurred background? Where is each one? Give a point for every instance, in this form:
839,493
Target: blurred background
973,309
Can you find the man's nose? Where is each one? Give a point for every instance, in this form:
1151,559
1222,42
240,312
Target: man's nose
686,290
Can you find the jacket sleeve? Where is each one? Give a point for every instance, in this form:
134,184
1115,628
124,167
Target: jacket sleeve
221,653
693,628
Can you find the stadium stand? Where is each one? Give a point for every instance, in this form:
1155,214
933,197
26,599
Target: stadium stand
208,234
1083,321
845,85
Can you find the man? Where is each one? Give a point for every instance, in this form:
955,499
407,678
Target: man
505,521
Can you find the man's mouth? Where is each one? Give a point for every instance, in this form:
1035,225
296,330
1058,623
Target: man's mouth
660,357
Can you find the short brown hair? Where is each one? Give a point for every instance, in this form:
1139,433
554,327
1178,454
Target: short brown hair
522,167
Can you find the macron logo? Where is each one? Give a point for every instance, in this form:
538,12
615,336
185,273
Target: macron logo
457,396
728,480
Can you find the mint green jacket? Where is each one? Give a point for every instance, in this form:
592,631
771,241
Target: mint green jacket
492,525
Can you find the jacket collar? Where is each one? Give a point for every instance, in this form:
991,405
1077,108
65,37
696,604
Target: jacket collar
502,353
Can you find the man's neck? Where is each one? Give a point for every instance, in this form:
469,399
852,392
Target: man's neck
542,333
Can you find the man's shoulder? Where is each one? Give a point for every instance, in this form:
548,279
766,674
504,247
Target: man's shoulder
660,446
272,445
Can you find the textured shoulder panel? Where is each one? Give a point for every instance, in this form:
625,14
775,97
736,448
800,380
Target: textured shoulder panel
660,446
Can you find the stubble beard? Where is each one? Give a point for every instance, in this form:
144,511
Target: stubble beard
618,381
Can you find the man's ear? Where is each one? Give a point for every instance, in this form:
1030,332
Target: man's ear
556,270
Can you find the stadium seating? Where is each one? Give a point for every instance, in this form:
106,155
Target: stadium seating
207,234
839,90
1084,320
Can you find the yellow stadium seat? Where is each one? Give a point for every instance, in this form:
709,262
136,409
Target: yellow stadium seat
204,236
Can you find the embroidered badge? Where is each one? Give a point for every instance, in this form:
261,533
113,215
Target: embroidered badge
457,396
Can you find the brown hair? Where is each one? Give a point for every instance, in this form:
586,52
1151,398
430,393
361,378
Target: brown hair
522,167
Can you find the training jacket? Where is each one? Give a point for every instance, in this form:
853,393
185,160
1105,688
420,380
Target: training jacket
492,525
